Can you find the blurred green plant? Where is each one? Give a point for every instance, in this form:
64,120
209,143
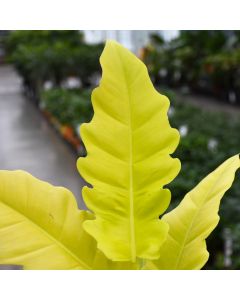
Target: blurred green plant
70,107
41,56
224,71
205,61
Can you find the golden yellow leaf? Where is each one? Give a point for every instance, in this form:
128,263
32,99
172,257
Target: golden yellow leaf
129,142
41,226
194,219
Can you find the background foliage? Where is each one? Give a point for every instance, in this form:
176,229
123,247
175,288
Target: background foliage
52,56
206,61
70,107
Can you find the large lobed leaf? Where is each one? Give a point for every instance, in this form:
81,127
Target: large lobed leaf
41,227
129,142
194,219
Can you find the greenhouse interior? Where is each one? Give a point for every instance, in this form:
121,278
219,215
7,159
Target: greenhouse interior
46,82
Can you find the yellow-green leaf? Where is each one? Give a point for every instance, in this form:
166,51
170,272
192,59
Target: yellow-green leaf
129,142
194,219
41,226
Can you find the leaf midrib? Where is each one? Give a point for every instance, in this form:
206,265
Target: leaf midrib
131,192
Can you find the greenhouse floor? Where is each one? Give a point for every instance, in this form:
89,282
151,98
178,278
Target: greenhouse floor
208,103
29,143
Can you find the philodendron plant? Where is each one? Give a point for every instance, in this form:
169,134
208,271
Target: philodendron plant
129,142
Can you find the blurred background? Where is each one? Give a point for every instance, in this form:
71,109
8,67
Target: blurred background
46,79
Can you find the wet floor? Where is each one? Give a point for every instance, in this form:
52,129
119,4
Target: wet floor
29,143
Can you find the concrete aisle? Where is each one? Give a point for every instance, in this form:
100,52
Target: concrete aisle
27,141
